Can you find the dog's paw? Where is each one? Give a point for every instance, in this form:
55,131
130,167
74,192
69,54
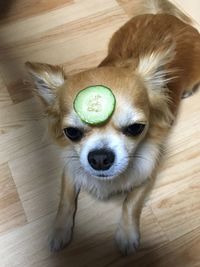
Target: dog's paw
128,240
60,238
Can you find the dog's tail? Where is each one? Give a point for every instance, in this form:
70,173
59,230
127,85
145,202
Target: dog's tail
158,7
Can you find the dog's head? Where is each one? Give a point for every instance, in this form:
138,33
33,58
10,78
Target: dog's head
105,151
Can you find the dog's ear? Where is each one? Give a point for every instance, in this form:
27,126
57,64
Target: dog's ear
152,67
47,79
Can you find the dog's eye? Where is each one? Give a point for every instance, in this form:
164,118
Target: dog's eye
133,129
73,133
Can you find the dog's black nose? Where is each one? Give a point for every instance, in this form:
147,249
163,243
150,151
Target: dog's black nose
101,159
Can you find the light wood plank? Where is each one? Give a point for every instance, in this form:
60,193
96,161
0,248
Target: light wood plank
75,33
11,210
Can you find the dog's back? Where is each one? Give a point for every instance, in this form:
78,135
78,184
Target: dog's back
159,27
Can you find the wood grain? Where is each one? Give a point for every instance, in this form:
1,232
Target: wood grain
75,33
12,212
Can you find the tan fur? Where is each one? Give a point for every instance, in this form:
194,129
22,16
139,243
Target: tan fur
165,29
132,207
159,7
152,60
64,219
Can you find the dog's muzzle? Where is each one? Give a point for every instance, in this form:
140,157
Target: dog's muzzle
101,159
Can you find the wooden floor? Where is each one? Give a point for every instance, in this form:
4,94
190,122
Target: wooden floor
75,33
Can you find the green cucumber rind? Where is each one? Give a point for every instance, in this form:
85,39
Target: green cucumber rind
89,121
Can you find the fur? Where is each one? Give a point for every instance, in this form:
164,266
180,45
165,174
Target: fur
148,76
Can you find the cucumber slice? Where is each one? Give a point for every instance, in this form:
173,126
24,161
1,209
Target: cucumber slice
95,104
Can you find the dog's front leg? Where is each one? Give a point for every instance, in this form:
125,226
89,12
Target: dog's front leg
62,232
128,234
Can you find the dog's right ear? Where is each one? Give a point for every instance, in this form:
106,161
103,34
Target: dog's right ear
47,79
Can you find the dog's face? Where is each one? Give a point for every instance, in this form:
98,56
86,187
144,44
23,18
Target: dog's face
103,151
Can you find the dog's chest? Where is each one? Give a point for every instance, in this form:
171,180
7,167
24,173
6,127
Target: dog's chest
103,189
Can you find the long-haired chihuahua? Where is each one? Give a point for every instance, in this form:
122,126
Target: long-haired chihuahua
153,61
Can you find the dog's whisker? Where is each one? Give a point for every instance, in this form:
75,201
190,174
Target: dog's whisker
137,157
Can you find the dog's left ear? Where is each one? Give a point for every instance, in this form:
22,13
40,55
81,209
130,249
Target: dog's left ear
152,68
47,79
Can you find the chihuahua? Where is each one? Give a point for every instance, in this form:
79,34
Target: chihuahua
152,62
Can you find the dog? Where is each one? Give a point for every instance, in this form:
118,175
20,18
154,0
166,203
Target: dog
152,62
